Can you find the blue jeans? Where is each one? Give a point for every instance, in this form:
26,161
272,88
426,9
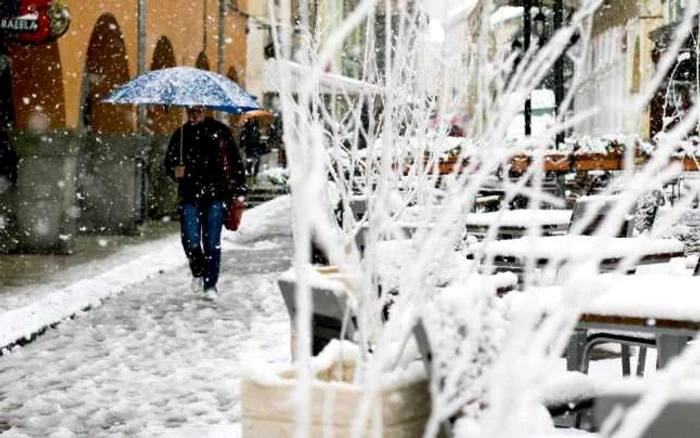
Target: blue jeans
200,229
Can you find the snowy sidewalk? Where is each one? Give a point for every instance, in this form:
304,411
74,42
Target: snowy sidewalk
154,360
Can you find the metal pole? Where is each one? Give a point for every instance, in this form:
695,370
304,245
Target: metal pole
221,43
527,31
142,33
559,69
205,16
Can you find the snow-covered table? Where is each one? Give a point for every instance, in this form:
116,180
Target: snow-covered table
665,306
557,251
515,223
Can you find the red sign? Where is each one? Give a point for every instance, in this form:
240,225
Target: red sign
34,21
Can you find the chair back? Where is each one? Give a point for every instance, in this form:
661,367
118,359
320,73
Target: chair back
602,205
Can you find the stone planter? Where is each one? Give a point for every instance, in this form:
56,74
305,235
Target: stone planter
162,191
269,408
111,184
44,202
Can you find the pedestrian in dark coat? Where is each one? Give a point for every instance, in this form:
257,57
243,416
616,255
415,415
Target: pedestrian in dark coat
253,146
196,159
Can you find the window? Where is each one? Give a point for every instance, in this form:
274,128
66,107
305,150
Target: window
636,67
676,9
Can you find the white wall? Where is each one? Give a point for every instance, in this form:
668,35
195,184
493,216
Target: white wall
606,85
255,58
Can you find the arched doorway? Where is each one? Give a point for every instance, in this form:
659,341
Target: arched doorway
37,86
202,61
233,75
46,170
106,67
110,170
161,120
203,64
233,119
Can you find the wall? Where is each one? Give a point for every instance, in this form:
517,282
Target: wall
619,66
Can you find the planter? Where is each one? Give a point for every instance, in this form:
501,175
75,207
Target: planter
44,207
269,408
579,162
689,164
596,161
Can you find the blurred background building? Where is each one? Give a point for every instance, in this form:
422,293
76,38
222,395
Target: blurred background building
85,165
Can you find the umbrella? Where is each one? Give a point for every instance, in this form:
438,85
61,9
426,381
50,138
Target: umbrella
262,115
184,86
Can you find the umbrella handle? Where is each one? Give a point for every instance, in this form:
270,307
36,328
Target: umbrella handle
182,130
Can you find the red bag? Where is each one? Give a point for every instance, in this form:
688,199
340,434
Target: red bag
234,214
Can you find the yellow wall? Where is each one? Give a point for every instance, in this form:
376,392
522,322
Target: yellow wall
182,22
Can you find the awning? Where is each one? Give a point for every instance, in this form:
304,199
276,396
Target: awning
328,82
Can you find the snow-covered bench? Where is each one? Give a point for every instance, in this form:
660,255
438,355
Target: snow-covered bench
516,223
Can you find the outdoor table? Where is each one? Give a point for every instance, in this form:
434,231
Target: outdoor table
515,223
666,307
513,255
393,257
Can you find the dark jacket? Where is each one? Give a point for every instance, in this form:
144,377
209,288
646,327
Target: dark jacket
251,141
8,159
201,154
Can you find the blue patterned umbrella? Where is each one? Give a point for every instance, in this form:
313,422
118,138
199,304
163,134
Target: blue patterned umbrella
184,86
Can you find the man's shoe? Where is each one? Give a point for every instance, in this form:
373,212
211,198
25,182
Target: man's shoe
211,293
197,284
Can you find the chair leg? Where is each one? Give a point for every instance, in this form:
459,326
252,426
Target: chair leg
641,361
576,359
625,357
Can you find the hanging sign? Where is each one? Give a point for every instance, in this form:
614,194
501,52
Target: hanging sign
33,21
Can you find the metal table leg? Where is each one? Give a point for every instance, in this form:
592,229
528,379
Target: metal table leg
669,346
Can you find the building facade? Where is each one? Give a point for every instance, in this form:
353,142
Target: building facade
627,42
86,165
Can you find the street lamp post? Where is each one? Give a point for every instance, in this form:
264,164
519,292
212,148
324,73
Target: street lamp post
141,64
527,27
558,70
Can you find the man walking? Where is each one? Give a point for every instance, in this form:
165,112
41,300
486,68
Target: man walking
197,159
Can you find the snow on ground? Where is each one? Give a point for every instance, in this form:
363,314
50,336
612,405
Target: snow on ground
27,311
156,360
